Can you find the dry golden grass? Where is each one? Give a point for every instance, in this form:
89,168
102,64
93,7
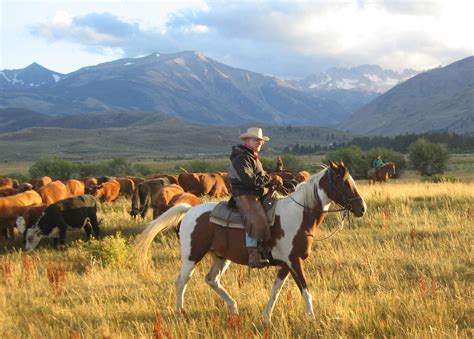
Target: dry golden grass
403,270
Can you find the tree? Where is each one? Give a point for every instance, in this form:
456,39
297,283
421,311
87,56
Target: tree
388,155
57,169
428,158
354,159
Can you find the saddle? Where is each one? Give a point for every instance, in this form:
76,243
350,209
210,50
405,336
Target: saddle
227,215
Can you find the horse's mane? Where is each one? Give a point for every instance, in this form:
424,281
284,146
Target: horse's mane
307,187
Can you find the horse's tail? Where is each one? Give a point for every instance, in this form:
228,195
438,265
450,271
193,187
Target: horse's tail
135,201
172,217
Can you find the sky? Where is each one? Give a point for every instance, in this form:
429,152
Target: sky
287,39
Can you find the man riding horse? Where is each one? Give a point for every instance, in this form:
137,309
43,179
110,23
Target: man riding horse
248,180
376,163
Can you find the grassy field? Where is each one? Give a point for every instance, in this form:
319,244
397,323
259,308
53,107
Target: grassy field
403,270
461,165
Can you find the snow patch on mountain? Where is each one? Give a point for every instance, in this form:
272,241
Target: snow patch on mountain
6,78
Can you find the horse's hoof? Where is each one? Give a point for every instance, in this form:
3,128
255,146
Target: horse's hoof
180,313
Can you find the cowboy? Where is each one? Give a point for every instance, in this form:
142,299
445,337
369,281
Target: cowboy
248,180
279,164
376,163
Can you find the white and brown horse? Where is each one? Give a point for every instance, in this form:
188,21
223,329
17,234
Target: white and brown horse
385,171
297,218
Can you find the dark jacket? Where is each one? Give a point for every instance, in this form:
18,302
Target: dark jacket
246,173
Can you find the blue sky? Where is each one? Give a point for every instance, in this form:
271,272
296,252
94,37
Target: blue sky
288,39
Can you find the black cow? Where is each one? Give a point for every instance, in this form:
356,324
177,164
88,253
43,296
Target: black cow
145,194
77,212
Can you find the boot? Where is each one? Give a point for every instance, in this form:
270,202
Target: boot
255,260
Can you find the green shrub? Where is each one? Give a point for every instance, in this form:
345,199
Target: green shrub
353,158
428,158
17,176
110,251
290,162
388,155
198,166
57,169
437,178
142,169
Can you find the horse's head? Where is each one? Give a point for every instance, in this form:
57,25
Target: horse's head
342,189
391,169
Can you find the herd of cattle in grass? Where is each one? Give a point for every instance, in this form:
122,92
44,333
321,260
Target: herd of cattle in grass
45,207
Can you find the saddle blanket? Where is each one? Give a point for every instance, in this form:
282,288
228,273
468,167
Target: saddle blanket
225,216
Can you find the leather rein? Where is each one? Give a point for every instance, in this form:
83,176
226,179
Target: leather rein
344,208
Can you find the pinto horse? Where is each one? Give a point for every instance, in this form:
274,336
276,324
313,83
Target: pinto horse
385,171
297,219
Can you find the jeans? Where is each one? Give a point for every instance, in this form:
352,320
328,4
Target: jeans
250,242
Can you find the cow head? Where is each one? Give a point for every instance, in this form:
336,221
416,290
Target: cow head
96,190
33,237
21,224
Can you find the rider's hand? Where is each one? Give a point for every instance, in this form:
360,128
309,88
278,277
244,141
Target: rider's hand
275,180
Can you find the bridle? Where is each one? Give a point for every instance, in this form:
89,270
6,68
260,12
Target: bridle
346,201
344,208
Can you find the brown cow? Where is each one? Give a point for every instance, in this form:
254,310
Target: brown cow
302,176
172,178
40,182
163,198
190,182
108,191
74,188
184,197
25,186
6,191
213,184
127,186
225,176
136,180
12,207
52,192
8,182
30,217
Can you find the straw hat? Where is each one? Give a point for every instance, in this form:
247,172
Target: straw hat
254,132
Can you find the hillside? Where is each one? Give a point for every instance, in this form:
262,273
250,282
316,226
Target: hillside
150,138
187,85
438,100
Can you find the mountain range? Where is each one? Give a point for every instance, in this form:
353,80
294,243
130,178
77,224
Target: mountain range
194,88
441,99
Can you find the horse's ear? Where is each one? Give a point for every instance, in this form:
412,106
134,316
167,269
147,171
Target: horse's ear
341,164
332,165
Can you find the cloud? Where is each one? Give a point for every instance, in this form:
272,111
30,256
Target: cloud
288,39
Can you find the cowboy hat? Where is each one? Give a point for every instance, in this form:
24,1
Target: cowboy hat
254,132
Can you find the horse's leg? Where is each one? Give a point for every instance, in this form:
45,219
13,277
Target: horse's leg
187,269
213,279
275,292
298,274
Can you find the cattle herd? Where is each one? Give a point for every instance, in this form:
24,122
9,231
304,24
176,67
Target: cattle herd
45,207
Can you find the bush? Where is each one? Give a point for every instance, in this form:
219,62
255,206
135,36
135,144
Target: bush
141,169
200,166
290,162
353,158
20,177
360,162
110,251
437,178
57,169
428,158
388,155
